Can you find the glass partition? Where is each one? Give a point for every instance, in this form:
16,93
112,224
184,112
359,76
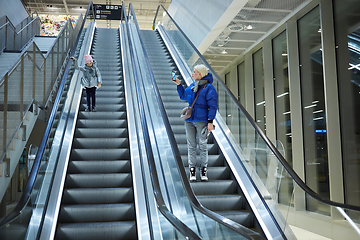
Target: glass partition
253,147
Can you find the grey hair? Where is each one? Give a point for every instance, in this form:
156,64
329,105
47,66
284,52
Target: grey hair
202,69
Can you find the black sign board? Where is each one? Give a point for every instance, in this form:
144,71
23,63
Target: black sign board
107,12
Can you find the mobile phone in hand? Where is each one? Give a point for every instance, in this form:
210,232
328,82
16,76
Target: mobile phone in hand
173,75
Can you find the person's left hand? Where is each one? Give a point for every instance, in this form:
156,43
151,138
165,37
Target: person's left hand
177,81
99,85
211,127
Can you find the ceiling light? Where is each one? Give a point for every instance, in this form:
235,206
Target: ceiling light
310,106
281,95
319,118
224,52
249,27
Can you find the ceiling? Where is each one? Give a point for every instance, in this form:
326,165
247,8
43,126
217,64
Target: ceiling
239,31
255,19
144,9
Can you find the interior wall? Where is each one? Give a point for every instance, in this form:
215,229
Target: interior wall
14,10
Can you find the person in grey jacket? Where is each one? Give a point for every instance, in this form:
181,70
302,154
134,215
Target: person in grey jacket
91,80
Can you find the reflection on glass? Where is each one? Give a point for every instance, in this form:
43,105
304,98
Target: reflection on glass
282,110
313,107
347,32
259,91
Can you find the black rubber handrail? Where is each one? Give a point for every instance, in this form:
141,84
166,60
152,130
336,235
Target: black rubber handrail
178,224
25,197
282,160
191,196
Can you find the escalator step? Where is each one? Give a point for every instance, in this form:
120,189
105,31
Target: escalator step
115,166
95,231
97,195
110,180
97,213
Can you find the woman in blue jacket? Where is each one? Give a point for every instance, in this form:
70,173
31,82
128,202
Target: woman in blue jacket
201,120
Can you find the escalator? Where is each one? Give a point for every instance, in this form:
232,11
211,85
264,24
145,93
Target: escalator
98,200
221,193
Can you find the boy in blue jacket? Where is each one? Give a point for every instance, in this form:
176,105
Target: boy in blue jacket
201,120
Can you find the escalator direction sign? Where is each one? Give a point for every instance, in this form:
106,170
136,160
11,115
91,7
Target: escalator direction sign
107,12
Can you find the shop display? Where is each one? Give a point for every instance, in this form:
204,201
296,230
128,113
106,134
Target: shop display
51,25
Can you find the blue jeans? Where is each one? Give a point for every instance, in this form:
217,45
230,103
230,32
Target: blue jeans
194,138
90,93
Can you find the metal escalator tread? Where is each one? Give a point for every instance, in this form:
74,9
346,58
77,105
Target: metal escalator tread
98,201
221,189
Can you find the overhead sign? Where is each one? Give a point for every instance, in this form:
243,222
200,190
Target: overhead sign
107,12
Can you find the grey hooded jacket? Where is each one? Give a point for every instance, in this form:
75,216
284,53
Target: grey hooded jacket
91,75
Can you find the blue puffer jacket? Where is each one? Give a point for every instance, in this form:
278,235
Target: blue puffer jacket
206,105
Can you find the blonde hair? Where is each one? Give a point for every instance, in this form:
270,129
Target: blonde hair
202,69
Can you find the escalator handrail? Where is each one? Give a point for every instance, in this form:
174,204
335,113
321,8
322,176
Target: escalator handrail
274,150
178,224
191,196
25,197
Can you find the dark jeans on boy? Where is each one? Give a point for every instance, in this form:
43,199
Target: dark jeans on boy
90,93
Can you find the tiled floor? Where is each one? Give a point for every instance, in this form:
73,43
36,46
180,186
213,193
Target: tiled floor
306,235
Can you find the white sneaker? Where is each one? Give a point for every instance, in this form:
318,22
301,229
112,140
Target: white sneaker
204,174
192,175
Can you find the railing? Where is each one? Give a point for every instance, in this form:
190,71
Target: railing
33,78
177,224
264,164
15,38
36,192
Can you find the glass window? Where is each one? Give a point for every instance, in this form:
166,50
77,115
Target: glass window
241,98
347,30
228,100
282,109
241,83
313,108
259,91
227,80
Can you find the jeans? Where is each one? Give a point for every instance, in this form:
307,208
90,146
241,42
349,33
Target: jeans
90,93
194,138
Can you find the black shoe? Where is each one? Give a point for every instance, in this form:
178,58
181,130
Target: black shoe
192,174
204,174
